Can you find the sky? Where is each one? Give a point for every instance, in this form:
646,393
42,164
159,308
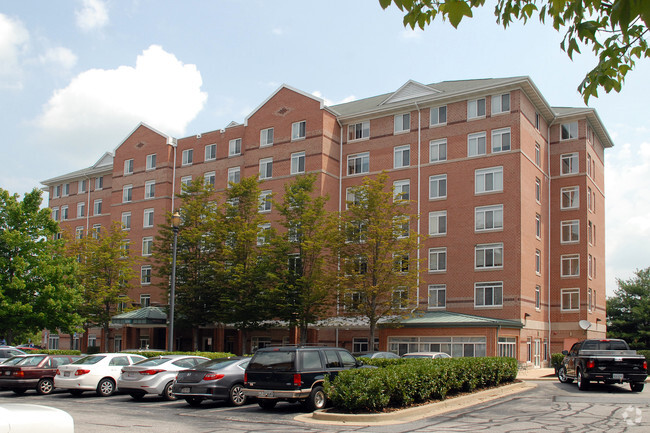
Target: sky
77,76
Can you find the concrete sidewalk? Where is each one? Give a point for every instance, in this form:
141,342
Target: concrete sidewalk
532,373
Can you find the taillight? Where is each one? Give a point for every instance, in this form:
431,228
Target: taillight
645,365
150,372
591,363
19,373
297,380
246,378
58,372
81,372
213,376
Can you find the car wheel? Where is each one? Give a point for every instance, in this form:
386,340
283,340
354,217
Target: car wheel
267,403
582,382
76,392
45,386
194,401
19,391
106,387
317,399
562,377
636,386
137,395
167,392
236,395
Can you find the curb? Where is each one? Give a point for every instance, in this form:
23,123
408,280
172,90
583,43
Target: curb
415,413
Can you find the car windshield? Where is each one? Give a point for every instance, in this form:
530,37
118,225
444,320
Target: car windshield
152,361
273,360
89,360
30,361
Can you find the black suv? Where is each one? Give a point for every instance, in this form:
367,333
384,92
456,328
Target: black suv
294,373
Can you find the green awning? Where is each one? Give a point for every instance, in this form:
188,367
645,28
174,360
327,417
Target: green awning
142,316
447,319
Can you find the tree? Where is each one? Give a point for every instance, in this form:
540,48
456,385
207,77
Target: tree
379,267
37,285
105,268
307,250
616,30
628,312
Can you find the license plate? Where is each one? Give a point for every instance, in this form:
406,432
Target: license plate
617,376
185,390
7,373
267,394
66,374
130,374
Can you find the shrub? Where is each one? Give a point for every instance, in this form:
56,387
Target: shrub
645,353
57,352
556,360
210,355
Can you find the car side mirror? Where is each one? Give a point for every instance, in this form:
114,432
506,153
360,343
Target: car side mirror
565,352
359,363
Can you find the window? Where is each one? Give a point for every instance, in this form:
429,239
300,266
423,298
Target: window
82,186
266,168
570,197
476,108
351,198
145,300
81,209
589,300
233,175
297,162
402,123
56,191
234,147
401,262
437,259
488,218
570,299
476,144
571,265
437,296
488,294
125,247
538,120
99,182
97,208
589,266
188,157
438,116
569,131
402,156
538,297
438,186
438,223
538,155
488,256
66,189
590,232
149,189
501,103
263,233
400,298
538,262
351,300
298,130
53,342
265,201
64,213
151,161
401,190
538,190
438,150
148,218
570,231
147,245
401,227
186,181
358,131
508,347
126,220
266,137
589,165
210,178
127,193
128,166
97,228
145,276
210,152
589,198
538,226
569,164
501,140
79,233
55,214
488,180
358,163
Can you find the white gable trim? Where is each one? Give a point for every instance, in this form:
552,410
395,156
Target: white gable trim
283,86
410,90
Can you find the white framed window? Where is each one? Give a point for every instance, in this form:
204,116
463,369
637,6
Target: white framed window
298,130
570,197
488,180
538,190
64,213
538,262
127,193
147,220
590,232
488,256
508,347
488,218
401,226
55,213
589,198
233,175
126,220
359,163
570,231
128,166
265,201
500,140
210,178
151,162
401,298
56,191
402,156
81,209
501,103
570,265
263,234
145,277
297,162
188,157
538,121
570,299
569,163
569,131
125,248
266,168
438,150
266,137
476,108
147,245
359,131
437,259
234,147
149,189
402,123
476,144
438,223
488,294
210,153
99,183
589,171
438,186
538,226
79,232
589,266
538,155
186,181
97,229
401,262
538,297
66,189
437,296
97,207
438,116
351,197
352,300
82,186
401,190
589,300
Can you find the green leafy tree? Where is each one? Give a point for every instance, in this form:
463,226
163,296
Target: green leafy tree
37,285
379,266
616,30
307,252
628,311
105,268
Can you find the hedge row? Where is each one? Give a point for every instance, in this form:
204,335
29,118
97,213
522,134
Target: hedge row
147,354
400,383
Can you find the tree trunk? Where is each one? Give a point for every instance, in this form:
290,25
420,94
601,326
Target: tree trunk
371,341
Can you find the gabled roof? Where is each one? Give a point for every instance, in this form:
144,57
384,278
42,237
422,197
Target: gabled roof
284,86
168,137
410,90
142,316
103,165
447,319
562,114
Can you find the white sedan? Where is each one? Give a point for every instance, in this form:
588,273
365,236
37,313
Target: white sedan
94,373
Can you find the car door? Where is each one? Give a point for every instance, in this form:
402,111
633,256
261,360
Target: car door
115,365
571,360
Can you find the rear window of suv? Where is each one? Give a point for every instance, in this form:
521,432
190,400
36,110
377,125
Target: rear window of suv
604,345
278,361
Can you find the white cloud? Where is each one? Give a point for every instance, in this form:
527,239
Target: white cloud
92,15
60,57
14,39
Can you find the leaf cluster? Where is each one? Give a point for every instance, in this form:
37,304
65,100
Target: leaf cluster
628,311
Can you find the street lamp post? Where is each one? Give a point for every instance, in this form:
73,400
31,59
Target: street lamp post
176,222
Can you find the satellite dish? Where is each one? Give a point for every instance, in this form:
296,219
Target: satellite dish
584,324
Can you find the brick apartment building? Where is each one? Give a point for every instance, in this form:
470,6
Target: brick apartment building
509,190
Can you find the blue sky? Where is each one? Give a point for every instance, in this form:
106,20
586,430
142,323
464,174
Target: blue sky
77,76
